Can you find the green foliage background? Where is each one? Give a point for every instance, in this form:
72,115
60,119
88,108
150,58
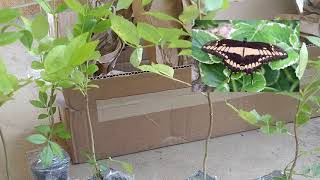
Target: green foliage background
275,76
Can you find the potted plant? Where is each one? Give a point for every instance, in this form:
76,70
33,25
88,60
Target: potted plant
308,103
9,85
52,161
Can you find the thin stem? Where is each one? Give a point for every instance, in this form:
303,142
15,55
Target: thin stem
92,142
50,112
208,137
199,9
5,154
296,155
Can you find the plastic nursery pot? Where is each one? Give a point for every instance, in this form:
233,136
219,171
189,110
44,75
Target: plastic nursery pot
271,176
199,176
112,174
58,170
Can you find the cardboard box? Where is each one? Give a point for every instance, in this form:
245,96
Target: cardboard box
138,111
143,111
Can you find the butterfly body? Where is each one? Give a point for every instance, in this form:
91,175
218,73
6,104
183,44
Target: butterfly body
244,56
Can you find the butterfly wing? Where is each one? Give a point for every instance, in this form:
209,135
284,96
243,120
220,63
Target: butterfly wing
244,56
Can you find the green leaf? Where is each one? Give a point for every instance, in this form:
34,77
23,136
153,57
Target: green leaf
26,39
303,61
293,58
40,27
92,68
271,76
101,11
37,139
304,114
162,16
45,6
83,53
189,14
185,52
61,131
161,69
200,37
201,56
123,4
75,5
125,29
43,116
251,117
46,156
171,34
214,5
8,14
180,44
37,104
136,57
314,40
212,75
44,129
146,2
102,26
126,166
164,69
257,85
43,97
9,37
56,59
61,8
36,65
56,149
148,32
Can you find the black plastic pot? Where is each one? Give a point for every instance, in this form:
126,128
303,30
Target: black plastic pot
272,175
199,176
58,170
114,175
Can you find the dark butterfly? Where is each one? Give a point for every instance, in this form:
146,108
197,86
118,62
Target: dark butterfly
244,56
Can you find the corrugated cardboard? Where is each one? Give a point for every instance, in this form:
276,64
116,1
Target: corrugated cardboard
138,111
142,111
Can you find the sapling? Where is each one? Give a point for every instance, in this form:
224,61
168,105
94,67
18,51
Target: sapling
8,86
308,104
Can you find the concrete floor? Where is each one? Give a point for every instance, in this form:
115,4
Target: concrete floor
241,156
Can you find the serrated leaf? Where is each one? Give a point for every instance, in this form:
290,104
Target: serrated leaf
8,14
136,57
257,84
212,75
40,27
43,97
37,139
125,29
